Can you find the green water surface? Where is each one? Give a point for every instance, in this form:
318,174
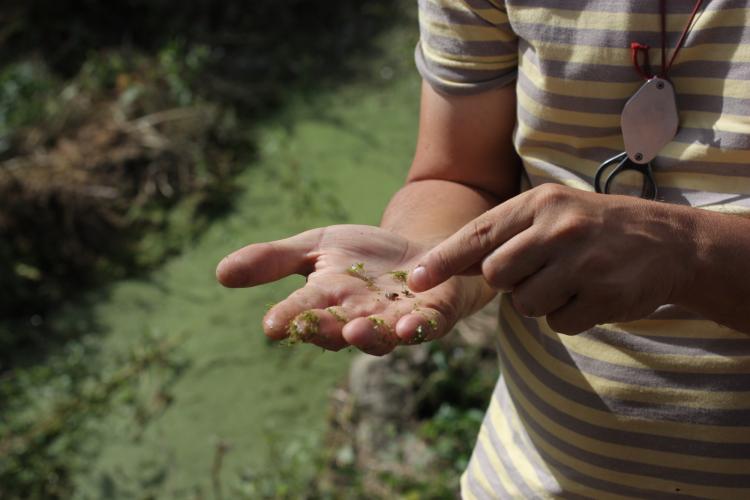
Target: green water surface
340,154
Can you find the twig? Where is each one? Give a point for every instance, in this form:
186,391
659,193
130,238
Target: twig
167,115
221,449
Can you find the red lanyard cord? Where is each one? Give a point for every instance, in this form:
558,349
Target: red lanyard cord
637,49
664,66
643,68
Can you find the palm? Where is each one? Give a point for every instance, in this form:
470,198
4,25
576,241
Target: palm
356,292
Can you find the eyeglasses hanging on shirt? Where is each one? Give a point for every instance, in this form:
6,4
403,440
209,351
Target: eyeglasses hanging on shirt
649,121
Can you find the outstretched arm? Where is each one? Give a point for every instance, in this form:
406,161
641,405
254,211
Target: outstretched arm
356,292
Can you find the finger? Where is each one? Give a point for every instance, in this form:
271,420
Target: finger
470,244
277,319
472,270
543,292
515,260
265,262
372,335
320,327
572,318
421,325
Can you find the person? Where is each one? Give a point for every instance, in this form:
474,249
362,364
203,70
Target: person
624,321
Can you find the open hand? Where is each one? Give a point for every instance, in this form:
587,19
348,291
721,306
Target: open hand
356,292
578,258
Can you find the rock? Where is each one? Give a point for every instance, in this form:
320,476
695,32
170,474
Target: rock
375,420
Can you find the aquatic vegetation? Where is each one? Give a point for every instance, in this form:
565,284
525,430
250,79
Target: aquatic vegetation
303,328
378,323
357,270
399,276
420,336
337,314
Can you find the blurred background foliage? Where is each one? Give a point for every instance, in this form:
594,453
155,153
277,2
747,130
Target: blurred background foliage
136,104
139,142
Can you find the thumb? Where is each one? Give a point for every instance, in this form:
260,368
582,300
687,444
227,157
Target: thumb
261,263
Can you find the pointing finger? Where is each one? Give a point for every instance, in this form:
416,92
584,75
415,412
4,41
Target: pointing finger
470,244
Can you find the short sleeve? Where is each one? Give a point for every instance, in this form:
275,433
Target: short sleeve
466,46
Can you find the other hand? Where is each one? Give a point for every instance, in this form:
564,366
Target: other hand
356,292
578,258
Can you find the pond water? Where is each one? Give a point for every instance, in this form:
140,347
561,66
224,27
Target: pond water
342,153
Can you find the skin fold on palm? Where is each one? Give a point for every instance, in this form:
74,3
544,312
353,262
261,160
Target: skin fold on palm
356,292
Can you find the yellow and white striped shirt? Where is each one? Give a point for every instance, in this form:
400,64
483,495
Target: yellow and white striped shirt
657,408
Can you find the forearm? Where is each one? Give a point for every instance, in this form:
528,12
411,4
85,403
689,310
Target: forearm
718,281
429,211
464,164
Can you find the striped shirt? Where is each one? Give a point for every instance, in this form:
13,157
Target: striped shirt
657,408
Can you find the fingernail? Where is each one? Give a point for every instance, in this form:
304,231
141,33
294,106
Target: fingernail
220,269
269,323
418,277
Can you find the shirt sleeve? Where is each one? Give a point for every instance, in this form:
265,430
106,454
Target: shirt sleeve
466,46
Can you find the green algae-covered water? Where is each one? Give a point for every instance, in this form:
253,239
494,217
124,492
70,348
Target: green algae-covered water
338,154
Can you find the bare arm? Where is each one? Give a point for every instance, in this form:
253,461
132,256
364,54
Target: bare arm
718,275
355,292
464,164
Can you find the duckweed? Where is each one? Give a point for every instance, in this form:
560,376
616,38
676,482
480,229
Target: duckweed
337,314
377,322
302,328
399,276
357,270
420,335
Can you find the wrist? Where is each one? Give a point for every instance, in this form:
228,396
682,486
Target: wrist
429,211
693,256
